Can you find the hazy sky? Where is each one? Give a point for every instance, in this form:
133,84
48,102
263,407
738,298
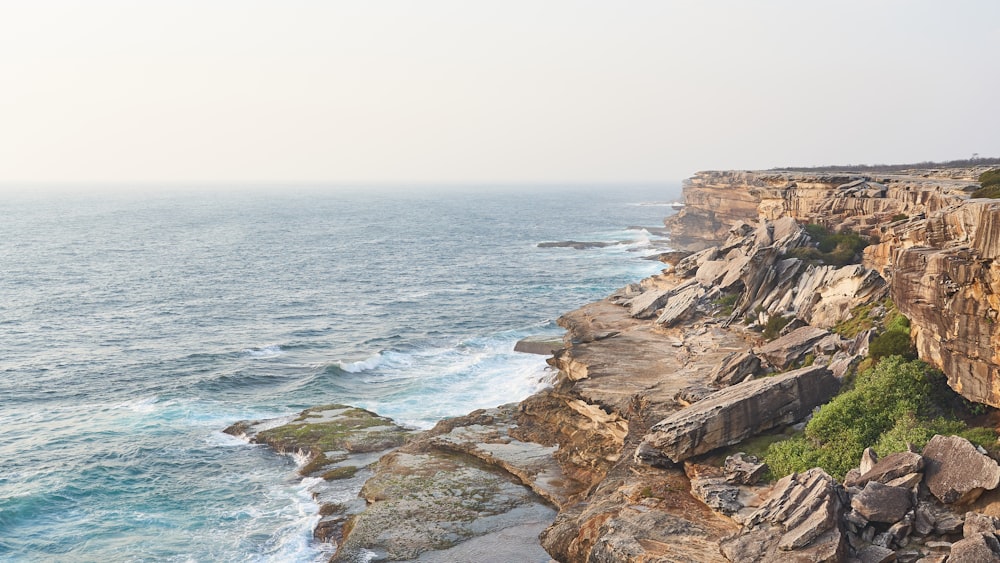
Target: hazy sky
504,91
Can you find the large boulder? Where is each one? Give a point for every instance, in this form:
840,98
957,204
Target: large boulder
956,472
979,548
735,413
882,503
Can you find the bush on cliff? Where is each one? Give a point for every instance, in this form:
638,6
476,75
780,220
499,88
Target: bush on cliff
895,402
990,182
836,249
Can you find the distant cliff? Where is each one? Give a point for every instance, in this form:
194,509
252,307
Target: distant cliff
937,248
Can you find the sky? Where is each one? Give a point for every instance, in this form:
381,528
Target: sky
434,91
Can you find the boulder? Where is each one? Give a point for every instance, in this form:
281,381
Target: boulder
956,472
891,467
791,348
744,469
976,523
735,413
882,503
736,368
876,554
979,548
868,460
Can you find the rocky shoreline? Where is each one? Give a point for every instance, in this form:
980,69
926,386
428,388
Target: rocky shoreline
631,455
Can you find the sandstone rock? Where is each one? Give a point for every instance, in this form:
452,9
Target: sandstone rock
679,304
645,305
881,503
738,412
923,520
744,469
425,502
955,472
798,522
979,548
891,467
876,554
542,345
736,368
976,523
908,481
791,348
868,460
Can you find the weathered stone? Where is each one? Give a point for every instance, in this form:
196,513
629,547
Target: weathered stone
542,345
744,469
645,305
799,521
978,548
976,523
736,368
868,460
876,554
738,412
888,468
923,520
791,348
424,502
955,472
881,503
908,481
679,305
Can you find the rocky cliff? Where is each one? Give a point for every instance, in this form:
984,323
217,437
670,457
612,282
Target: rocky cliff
656,381
936,252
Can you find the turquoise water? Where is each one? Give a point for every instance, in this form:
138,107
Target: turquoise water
134,328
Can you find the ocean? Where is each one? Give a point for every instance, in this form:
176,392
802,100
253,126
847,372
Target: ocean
135,327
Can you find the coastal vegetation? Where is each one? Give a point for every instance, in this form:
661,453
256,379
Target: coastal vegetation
990,182
893,401
836,249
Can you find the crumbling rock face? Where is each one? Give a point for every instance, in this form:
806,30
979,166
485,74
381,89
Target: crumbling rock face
799,521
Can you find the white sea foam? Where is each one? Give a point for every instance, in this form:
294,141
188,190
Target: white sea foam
144,405
271,351
362,365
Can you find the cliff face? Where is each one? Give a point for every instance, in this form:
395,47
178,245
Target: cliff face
937,249
945,277
716,200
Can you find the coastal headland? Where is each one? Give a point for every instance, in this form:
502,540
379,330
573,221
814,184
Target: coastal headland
778,300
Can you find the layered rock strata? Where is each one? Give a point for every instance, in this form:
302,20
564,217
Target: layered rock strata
937,251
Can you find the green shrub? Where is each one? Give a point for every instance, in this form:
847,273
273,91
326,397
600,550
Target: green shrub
892,343
990,181
857,418
774,325
726,303
837,249
899,217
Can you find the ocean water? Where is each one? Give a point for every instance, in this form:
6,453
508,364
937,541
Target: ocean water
135,327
